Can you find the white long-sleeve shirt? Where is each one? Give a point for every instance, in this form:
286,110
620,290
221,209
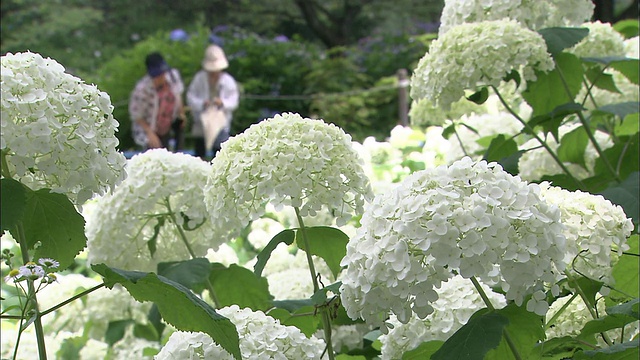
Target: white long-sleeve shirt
199,92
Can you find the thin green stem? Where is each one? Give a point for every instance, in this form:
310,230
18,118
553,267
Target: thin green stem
79,295
531,131
326,319
559,312
586,127
31,297
455,132
490,306
183,237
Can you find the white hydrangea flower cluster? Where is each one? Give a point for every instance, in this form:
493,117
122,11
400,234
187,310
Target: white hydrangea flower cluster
533,14
602,41
536,162
596,231
132,347
261,337
57,131
403,137
471,218
470,55
632,47
289,161
573,318
263,230
225,255
122,223
457,301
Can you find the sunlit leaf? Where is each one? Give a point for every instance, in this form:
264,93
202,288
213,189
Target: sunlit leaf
423,351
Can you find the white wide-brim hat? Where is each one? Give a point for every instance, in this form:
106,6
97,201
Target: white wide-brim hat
214,59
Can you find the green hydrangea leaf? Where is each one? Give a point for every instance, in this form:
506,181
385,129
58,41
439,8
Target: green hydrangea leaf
326,242
51,221
423,351
177,305
240,286
284,236
13,202
560,38
480,334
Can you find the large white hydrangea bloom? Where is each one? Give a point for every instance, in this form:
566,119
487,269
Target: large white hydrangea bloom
287,161
57,131
596,231
602,41
121,224
457,301
471,218
536,161
471,55
533,14
261,337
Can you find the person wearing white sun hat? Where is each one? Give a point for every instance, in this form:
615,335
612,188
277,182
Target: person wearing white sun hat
212,87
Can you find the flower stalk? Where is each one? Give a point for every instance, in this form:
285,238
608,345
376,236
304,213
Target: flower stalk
31,297
183,237
326,319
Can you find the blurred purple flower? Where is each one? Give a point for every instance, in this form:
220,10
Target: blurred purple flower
281,38
179,35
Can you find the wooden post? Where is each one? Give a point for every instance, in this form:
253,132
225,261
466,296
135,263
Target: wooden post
403,97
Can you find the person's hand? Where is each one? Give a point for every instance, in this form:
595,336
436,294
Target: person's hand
217,102
153,141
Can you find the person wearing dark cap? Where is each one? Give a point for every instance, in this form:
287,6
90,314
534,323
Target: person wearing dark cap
212,87
155,103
